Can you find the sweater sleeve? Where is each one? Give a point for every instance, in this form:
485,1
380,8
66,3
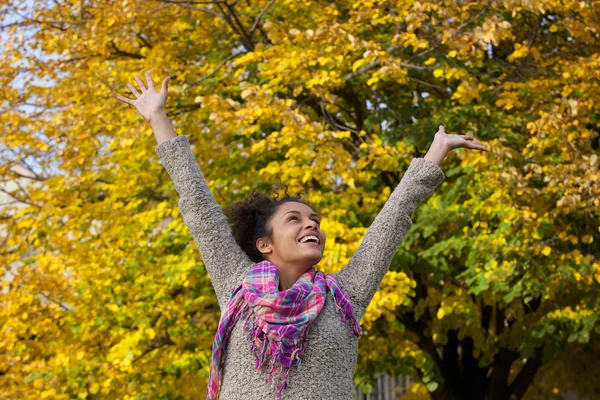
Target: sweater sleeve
361,277
225,261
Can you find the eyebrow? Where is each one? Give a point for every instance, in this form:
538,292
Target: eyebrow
298,212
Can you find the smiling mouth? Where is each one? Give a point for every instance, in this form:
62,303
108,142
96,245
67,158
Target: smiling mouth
313,239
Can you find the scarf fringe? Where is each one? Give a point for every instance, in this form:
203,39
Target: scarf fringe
273,352
346,314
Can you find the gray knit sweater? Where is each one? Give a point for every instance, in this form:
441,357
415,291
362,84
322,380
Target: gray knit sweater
328,366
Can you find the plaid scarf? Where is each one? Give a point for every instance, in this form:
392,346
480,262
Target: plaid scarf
276,322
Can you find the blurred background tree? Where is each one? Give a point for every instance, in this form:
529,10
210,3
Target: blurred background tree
494,292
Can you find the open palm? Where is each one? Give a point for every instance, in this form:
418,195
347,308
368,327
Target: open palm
452,141
150,101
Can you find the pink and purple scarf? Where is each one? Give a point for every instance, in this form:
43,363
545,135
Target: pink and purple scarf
277,322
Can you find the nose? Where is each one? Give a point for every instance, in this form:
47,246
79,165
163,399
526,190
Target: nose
312,224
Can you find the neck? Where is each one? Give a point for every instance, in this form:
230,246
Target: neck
289,274
287,278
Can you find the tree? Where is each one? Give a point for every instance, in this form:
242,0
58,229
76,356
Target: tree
493,293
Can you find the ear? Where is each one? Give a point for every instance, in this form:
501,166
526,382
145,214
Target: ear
264,246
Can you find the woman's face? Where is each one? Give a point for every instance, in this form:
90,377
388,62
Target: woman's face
293,223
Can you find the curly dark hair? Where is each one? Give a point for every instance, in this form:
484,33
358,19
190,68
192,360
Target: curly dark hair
250,219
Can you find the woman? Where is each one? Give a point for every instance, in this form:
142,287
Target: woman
286,330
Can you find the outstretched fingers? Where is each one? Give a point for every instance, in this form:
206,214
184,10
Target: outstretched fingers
150,80
473,145
140,83
143,88
165,84
133,90
126,100
476,145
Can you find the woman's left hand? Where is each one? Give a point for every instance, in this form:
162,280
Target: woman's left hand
451,141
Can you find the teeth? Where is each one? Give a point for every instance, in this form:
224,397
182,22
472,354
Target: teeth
306,238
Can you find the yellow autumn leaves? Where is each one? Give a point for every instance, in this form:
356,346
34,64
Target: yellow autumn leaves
397,289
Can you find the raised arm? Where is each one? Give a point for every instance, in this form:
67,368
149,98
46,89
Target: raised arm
365,271
224,259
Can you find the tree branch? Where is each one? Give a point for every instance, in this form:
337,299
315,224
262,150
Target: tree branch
12,195
123,53
228,58
473,384
498,381
190,7
239,24
246,41
143,40
157,343
450,361
350,96
486,317
446,390
520,384
377,63
58,303
456,32
258,18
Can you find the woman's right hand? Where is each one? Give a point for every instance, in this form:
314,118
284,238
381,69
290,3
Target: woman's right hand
149,102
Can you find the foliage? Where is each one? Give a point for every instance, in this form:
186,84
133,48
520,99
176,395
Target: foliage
493,290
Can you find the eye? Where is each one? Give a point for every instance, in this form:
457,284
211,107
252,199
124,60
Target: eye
290,218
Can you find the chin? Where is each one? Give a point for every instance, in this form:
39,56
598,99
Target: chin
315,260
